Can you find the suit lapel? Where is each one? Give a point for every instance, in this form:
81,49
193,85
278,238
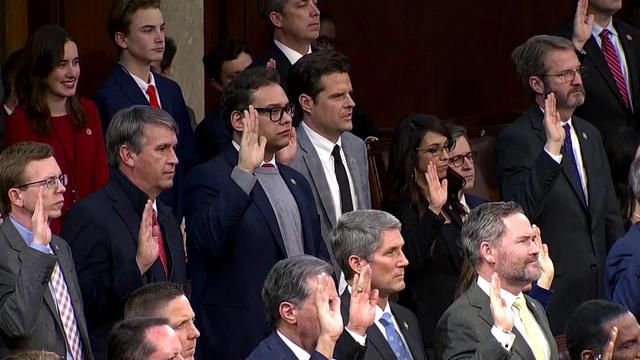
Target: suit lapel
314,166
124,209
413,342
359,185
541,318
163,93
594,52
129,87
298,194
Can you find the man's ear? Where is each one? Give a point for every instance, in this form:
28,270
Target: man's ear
487,251
356,263
287,312
15,197
537,84
306,103
127,157
587,355
121,39
236,120
276,19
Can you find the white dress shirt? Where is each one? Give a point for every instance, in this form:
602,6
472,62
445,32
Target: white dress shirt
291,54
143,85
297,350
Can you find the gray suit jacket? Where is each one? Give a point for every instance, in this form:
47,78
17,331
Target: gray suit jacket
464,330
29,319
308,163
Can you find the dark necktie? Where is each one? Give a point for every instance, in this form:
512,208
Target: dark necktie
574,175
153,96
611,55
161,251
343,181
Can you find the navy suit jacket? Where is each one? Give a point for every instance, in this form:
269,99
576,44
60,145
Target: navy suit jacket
282,63
274,348
102,230
474,201
120,91
622,271
234,241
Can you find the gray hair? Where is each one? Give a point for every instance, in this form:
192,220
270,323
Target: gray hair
529,57
265,7
358,233
486,223
287,281
634,178
127,128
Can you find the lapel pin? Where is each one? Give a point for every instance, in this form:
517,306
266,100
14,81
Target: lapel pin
88,131
293,181
584,135
406,327
629,37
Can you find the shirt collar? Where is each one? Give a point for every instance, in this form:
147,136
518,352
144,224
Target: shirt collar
508,297
562,122
319,141
143,84
291,54
297,350
597,29
272,161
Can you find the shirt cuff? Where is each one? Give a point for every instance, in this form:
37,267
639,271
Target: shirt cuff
39,247
505,338
556,158
245,180
362,340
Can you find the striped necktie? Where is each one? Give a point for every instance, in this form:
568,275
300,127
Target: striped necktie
611,55
67,316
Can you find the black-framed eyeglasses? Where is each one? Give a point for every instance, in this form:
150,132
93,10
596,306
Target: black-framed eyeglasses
51,183
277,112
457,161
436,150
569,75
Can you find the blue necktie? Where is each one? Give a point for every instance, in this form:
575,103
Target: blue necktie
574,175
393,338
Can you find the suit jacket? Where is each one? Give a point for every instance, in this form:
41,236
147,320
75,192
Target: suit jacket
120,91
234,241
102,230
29,318
282,63
378,347
464,331
603,105
623,270
273,348
578,236
474,201
308,164
212,136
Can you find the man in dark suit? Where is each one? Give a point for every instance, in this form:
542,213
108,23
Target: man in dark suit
245,212
122,236
610,50
40,306
493,319
371,239
555,166
328,155
137,29
302,304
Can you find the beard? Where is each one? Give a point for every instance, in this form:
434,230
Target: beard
569,100
518,270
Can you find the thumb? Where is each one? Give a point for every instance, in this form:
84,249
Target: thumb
262,142
444,183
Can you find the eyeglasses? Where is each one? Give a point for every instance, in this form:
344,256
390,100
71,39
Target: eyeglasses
436,150
570,75
277,112
52,183
457,161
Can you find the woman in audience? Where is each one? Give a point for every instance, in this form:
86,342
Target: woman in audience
50,111
422,194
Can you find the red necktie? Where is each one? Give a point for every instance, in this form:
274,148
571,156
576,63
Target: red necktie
613,60
161,253
267,165
153,96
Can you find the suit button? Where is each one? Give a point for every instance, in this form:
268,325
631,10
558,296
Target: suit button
594,267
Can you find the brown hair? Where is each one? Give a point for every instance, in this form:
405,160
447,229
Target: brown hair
14,160
43,52
121,13
34,355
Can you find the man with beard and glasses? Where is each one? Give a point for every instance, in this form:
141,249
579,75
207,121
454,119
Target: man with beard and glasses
554,165
493,319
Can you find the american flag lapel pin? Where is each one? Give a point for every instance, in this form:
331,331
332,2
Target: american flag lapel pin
406,326
584,135
293,181
629,37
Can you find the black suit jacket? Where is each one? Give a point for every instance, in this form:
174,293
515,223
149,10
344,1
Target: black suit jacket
282,62
102,230
603,105
464,330
377,346
578,237
29,318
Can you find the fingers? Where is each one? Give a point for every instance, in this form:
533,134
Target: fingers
608,350
545,250
262,143
495,288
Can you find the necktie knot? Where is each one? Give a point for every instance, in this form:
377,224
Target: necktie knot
519,303
336,152
567,129
385,320
604,34
153,96
267,165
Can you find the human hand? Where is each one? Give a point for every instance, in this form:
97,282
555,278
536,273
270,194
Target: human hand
433,189
40,221
252,145
501,313
147,252
552,125
362,309
544,260
328,313
582,25
271,64
607,353
288,153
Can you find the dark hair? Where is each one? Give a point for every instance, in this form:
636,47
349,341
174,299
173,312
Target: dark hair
584,329
227,51
128,339
305,76
42,53
10,70
287,281
121,13
621,149
170,49
403,157
239,94
265,7
14,160
148,300
34,355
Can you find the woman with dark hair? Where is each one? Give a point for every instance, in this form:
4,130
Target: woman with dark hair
622,149
51,112
422,194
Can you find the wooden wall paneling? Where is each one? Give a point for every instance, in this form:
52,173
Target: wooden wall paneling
15,26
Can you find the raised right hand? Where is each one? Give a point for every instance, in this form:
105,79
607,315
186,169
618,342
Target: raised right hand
607,354
364,300
252,145
501,313
147,252
434,190
552,125
582,25
40,221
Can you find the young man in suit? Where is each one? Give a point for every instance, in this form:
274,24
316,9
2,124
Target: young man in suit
137,29
493,319
122,236
328,155
554,165
303,307
41,305
245,213
371,239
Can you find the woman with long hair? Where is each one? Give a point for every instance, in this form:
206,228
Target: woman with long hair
51,112
422,192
